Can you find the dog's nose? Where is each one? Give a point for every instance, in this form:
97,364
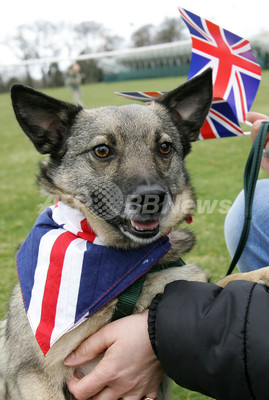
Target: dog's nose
147,199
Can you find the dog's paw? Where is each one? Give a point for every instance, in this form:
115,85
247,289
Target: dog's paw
263,276
259,275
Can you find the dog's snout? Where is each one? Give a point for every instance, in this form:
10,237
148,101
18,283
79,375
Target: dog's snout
154,193
154,189
147,199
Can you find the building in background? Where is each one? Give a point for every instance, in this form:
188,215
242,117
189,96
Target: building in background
170,59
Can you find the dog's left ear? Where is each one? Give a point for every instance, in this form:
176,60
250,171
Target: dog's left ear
44,119
189,104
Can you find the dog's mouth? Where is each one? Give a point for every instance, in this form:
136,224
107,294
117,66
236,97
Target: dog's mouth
137,215
141,230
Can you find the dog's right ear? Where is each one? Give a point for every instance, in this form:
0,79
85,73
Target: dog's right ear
189,104
44,119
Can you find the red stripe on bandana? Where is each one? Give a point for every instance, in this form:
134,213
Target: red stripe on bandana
88,233
51,291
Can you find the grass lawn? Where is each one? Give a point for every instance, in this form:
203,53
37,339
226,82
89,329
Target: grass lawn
216,168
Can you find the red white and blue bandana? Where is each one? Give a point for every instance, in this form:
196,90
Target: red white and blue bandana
66,273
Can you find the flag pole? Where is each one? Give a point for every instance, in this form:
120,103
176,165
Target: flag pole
248,124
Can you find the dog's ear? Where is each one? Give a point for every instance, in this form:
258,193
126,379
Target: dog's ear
45,120
189,104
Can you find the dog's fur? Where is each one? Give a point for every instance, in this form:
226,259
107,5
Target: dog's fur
136,149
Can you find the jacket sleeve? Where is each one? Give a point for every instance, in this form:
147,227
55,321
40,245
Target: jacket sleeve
212,340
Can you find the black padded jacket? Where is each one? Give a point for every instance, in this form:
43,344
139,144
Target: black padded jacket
212,340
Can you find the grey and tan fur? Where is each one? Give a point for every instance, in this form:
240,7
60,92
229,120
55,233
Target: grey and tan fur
138,150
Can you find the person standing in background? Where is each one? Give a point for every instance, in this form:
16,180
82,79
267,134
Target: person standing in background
73,82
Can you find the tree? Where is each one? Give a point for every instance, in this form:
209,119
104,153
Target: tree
56,77
143,36
34,41
88,34
171,30
113,42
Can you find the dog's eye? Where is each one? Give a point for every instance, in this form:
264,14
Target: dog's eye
165,148
101,151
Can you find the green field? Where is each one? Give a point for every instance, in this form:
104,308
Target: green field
216,168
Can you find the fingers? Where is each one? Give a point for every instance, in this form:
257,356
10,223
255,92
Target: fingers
129,367
256,119
88,350
108,385
149,396
80,389
103,339
110,394
88,386
253,116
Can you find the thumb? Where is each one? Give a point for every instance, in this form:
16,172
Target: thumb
89,349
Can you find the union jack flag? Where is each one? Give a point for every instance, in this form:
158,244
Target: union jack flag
67,274
236,72
236,75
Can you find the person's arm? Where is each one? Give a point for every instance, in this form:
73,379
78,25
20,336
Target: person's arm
256,119
208,339
199,332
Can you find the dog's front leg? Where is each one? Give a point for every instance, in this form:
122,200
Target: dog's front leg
155,282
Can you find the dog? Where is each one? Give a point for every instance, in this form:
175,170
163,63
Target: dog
122,170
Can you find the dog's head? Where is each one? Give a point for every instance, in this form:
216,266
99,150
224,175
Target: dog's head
123,167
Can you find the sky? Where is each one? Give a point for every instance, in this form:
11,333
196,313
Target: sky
123,17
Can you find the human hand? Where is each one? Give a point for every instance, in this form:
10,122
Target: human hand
129,367
256,119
